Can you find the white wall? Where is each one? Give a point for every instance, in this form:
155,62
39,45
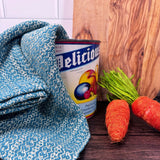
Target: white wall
13,12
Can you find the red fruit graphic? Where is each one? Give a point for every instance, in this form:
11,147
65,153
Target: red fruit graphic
87,94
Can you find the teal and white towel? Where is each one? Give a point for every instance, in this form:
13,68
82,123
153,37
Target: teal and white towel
38,119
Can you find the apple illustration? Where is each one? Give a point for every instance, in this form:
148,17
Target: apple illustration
89,76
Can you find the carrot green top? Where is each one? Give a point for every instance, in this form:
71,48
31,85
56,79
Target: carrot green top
119,86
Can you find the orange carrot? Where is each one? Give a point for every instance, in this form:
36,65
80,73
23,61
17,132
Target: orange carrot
117,119
119,86
148,110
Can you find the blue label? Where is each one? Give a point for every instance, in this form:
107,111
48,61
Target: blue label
88,107
76,58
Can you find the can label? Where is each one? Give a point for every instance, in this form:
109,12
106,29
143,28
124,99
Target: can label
78,64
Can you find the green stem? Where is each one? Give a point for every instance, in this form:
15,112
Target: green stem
119,86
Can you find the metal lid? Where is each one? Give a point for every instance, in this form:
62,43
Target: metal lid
77,41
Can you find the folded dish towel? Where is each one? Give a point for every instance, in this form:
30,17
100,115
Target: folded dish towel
38,119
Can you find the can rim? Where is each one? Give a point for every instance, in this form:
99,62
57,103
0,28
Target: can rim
76,41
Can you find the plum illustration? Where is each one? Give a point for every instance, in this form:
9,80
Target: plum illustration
82,91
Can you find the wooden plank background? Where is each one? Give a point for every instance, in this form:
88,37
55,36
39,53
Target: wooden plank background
129,35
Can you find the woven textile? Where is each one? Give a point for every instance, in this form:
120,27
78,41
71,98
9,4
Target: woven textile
38,119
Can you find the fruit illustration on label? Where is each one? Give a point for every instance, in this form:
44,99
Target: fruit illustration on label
88,76
87,86
81,91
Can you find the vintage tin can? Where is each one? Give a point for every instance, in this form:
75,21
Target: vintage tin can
78,62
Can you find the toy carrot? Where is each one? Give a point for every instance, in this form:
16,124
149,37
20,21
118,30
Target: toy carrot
117,119
148,110
119,86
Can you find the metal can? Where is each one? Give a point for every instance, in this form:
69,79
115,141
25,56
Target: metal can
78,62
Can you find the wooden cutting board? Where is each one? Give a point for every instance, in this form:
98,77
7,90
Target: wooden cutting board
129,31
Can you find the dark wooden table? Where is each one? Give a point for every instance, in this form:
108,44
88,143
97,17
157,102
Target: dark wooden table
142,142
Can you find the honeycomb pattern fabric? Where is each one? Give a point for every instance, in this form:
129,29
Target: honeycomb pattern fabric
38,119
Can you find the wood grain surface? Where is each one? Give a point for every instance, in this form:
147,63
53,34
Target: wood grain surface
129,35
141,142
